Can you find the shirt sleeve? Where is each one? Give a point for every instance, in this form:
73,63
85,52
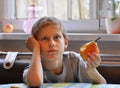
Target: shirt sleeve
78,65
25,74
82,73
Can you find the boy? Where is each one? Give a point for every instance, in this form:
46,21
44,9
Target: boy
49,61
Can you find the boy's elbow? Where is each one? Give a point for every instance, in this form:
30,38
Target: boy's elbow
35,82
103,81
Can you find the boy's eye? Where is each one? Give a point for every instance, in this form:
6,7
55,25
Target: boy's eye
56,37
44,38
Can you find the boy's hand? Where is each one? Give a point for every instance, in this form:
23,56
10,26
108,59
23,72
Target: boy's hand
32,43
93,61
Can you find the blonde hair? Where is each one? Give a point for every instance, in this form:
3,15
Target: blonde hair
47,21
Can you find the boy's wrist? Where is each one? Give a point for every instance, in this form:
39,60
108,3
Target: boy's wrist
36,50
91,70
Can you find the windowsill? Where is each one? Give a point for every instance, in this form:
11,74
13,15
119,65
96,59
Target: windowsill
71,36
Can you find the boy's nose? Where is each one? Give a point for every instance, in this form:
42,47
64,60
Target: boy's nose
52,43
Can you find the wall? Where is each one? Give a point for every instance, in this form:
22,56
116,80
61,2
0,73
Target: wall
108,47
0,26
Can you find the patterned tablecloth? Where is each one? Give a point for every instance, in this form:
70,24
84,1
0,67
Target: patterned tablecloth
62,85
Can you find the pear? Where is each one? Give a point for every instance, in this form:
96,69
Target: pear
89,47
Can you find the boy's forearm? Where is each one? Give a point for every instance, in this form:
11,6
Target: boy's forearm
96,76
35,72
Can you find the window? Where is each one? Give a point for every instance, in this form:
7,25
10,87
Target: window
63,9
82,14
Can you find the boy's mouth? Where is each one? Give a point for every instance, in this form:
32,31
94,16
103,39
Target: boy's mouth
52,51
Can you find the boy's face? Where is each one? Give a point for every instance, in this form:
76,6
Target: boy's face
52,43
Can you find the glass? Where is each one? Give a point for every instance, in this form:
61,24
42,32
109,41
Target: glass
112,21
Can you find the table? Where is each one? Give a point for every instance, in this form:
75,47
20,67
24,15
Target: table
63,85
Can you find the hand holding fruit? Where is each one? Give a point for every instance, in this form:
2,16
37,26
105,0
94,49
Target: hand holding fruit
90,47
93,61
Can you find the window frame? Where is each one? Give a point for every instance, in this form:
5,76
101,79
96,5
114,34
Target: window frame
85,26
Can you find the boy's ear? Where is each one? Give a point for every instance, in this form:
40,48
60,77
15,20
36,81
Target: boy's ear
66,43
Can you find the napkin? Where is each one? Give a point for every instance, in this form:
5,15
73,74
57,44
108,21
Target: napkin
9,60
